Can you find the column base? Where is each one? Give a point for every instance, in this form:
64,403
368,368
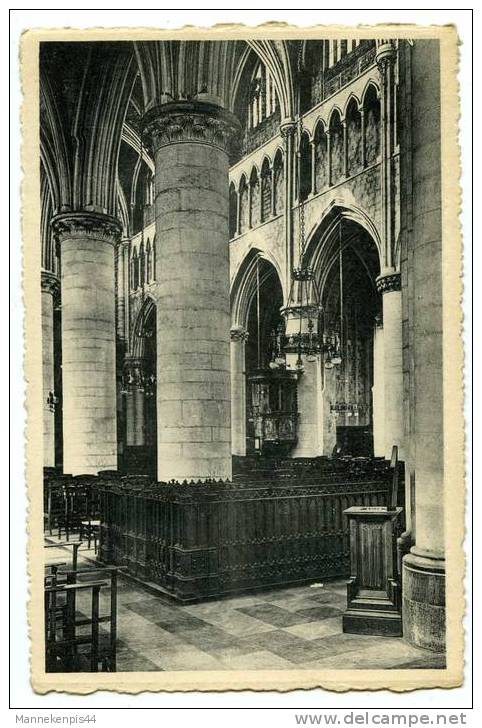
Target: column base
423,602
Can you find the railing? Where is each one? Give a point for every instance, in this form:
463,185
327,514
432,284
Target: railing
205,539
354,68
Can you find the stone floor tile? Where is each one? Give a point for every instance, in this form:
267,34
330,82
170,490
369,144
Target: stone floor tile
320,628
263,660
273,615
231,620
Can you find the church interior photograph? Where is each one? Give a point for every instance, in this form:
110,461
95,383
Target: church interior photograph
242,354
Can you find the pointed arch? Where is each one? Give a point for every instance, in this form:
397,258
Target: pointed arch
336,146
244,284
320,140
278,182
266,190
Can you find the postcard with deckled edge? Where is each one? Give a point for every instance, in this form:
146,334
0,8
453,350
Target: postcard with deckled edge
242,282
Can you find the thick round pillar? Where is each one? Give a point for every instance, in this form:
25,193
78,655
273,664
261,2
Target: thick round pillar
193,320
389,287
424,622
87,243
239,336
50,287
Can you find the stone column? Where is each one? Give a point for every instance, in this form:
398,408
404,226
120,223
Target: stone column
328,156
389,286
362,140
288,131
130,419
378,391
313,167
190,141
134,383
429,341
309,396
139,428
122,294
239,336
385,60
87,242
50,286
344,125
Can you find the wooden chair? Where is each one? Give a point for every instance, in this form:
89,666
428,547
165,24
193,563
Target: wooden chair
65,638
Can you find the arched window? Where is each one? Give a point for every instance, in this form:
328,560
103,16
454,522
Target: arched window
266,185
142,264
149,196
278,182
233,211
255,198
263,101
336,147
305,167
243,206
353,130
321,158
371,107
148,262
135,270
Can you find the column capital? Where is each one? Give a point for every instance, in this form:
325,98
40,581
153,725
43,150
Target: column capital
49,282
191,121
288,128
385,55
133,373
81,225
239,333
388,283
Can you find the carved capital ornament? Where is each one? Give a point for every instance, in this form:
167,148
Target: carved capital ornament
389,283
191,121
239,334
49,282
82,225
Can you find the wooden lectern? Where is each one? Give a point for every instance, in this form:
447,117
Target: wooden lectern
373,591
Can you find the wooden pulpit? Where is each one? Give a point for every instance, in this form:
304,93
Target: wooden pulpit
373,591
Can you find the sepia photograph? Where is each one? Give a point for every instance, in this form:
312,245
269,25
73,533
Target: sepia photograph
245,432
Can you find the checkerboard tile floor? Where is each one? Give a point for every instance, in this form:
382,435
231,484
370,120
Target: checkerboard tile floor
294,628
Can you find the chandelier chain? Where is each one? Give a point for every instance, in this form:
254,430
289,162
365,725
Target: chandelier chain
301,205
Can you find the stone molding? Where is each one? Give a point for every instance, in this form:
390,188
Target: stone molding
389,283
49,282
90,225
239,334
191,121
288,129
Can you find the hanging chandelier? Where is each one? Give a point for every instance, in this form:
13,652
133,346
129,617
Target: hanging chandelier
302,314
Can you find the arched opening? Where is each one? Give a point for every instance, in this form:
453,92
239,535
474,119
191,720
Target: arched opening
270,390
321,158
233,211
305,167
336,147
371,106
255,199
139,392
278,182
266,185
354,141
348,268
243,206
